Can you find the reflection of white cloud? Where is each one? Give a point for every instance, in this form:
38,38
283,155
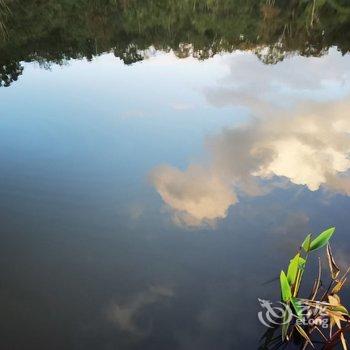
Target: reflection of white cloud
309,148
195,195
256,85
308,145
124,315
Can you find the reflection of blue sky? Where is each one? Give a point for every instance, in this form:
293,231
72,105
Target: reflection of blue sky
299,132
138,107
91,132
101,122
81,224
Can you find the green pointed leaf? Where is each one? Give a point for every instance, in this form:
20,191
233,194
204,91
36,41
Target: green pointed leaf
297,307
306,243
285,326
322,239
302,263
295,272
293,269
285,287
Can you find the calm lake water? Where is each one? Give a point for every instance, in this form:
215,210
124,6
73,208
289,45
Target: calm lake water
161,162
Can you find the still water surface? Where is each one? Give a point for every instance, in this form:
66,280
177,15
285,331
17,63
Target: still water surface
146,205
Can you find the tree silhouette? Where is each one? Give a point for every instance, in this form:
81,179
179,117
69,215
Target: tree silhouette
54,31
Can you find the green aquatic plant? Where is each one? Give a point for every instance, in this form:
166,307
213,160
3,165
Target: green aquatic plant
310,321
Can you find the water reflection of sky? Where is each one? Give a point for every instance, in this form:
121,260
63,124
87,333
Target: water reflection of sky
297,130
143,207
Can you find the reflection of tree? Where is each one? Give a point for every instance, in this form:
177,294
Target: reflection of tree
54,31
129,55
10,73
4,12
271,54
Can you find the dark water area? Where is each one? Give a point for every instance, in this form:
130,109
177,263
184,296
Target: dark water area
161,162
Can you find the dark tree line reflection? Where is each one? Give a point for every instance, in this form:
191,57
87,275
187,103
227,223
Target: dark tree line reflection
53,31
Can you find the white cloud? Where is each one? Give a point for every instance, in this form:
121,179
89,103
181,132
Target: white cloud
309,145
260,87
124,315
195,195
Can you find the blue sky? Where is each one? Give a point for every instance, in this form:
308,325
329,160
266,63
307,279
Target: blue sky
118,122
